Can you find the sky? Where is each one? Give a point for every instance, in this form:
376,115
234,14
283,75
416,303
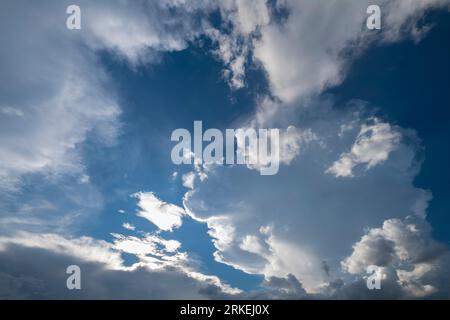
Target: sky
87,178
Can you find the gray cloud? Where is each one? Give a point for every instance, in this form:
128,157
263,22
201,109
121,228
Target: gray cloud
34,273
415,262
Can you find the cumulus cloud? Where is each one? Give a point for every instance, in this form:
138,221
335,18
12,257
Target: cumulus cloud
283,147
280,288
300,61
272,222
397,240
165,216
405,249
373,145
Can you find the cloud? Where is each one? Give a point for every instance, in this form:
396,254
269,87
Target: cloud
64,101
11,111
283,226
234,45
150,244
280,288
373,145
406,250
83,248
285,146
300,62
165,216
274,34
139,31
34,267
128,226
397,241
188,180
232,55
270,225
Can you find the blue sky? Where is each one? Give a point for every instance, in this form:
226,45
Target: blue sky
86,175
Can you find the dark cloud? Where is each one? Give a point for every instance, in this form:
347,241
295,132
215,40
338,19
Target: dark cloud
33,273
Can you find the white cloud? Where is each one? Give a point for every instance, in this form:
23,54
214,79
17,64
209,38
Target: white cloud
165,216
307,210
291,141
246,16
188,180
139,31
69,95
84,178
252,244
421,205
128,226
64,101
301,62
288,258
221,231
373,145
149,245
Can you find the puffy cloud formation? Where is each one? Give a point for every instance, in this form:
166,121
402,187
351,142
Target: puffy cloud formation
284,147
372,146
304,45
409,257
285,224
165,216
298,202
280,288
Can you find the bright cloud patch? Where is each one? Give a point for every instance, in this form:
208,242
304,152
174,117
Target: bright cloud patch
165,216
373,145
